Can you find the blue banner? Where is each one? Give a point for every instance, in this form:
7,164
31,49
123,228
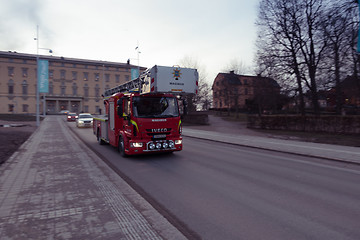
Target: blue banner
134,73
43,76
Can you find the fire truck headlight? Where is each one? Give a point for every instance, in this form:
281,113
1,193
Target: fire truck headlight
136,144
178,141
171,144
165,145
158,145
151,146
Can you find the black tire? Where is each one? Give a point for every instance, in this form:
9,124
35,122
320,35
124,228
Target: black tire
121,147
100,141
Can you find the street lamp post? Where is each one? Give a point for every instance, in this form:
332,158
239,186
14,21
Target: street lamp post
37,80
138,58
44,94
138,61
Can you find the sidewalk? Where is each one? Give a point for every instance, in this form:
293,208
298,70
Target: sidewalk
223,131
54,187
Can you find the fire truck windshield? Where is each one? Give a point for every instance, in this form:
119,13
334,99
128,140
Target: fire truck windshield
155,107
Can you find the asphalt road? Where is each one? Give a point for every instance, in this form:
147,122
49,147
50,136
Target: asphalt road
222,191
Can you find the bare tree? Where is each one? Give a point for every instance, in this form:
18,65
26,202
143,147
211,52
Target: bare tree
337,25
309,44
278,43
354,58
237,66
291,30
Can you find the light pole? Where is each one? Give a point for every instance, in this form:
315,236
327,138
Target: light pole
44,94
138,60
37,80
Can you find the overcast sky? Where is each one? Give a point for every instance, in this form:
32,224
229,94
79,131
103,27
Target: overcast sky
212,32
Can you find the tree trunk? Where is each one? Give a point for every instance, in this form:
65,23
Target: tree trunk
339,101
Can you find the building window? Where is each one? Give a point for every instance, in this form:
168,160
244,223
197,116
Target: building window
62,74
97,76
97,109
11,71
86,76
51,88
11,108
62,88
107,77
107,87
86,108
11,87
97,93
86,90
25,108
74,88
127,78
24,88
51,74
245,91
74,75
117,78
25,72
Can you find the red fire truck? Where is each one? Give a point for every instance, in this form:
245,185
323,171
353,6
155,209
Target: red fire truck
142,115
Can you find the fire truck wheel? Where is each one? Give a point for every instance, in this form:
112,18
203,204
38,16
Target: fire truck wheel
121,147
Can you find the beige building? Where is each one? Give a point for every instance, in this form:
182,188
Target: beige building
74,84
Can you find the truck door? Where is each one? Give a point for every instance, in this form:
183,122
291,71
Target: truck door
127,126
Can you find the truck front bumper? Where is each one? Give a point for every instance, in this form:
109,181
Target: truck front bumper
138,147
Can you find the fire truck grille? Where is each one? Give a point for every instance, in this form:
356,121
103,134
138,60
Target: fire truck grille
158,133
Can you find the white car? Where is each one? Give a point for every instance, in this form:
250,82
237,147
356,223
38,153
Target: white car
84,120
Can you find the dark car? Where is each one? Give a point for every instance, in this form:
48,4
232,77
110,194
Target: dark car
71,117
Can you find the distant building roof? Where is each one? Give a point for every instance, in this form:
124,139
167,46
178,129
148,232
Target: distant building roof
28,56
235,79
